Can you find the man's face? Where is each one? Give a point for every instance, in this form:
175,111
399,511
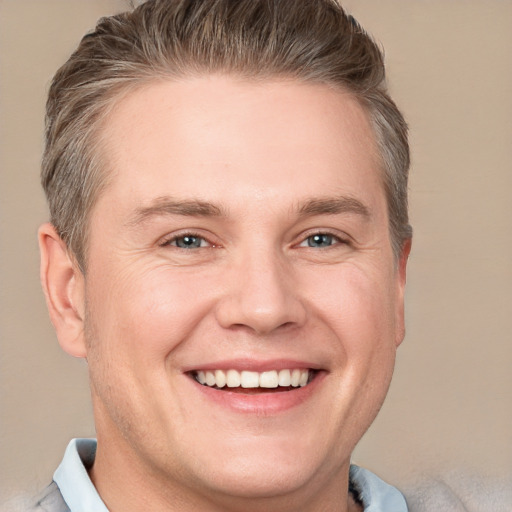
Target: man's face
244,229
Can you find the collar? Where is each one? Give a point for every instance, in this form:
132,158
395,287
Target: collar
375,494
73,480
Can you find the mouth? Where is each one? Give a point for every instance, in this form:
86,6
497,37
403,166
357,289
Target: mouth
252,382
259,388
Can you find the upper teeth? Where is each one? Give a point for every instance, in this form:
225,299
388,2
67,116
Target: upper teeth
246,379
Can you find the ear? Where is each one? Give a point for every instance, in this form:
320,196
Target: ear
63,286
401,275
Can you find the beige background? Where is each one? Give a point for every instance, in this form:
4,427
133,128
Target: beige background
450,406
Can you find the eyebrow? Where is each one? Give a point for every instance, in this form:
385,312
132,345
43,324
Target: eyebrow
334,206
169,206
194,208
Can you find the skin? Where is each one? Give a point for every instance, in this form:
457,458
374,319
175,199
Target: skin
272,161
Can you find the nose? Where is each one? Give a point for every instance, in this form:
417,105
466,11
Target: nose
261,295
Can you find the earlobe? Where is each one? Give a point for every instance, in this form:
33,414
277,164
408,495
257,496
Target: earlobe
63,286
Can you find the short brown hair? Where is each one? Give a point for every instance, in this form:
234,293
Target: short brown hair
313,41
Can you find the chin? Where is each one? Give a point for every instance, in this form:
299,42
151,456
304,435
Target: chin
264,468
264,481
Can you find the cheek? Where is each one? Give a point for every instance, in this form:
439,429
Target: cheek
145,311
135,319
358,305
357,298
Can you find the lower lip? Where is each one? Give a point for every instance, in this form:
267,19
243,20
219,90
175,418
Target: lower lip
262,403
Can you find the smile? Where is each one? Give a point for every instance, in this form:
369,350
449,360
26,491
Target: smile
273,379
260,388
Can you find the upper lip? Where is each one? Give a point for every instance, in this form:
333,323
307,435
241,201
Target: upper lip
253,365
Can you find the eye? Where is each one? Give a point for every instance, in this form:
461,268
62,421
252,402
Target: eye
187,241
320,240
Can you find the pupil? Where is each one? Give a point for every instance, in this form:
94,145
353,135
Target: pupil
320,240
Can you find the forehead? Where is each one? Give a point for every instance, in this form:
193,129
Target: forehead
221,136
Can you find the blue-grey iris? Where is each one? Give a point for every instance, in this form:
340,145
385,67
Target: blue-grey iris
320,240
188,242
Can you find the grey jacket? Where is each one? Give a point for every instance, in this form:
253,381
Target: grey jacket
50,500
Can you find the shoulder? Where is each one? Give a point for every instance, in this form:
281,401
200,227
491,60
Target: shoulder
461,491
49,500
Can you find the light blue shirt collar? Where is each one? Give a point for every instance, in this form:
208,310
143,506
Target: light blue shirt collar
73,480
376,495
81,496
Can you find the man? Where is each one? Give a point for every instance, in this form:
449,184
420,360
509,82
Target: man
227,249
